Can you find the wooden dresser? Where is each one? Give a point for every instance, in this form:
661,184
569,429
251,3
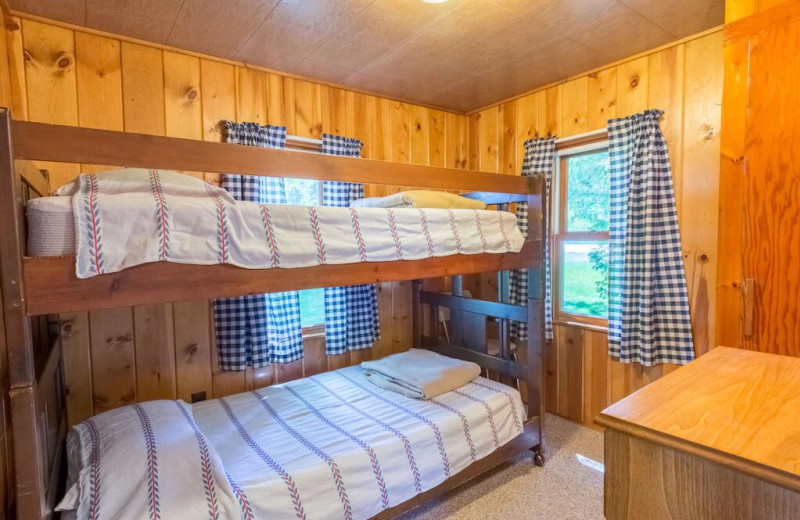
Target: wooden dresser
716,439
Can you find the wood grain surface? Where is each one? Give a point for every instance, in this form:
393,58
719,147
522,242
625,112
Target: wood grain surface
646,480
732,406
760,181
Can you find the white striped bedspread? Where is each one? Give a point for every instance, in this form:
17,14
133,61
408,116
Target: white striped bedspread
125,218
334,446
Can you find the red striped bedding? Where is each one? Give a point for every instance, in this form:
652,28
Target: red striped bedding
129,217
332,446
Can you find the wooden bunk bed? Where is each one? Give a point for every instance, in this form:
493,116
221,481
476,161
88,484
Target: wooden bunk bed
40,286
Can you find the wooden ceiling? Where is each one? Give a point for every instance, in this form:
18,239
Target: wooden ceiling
459,55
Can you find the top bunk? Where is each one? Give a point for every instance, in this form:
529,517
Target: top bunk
50,285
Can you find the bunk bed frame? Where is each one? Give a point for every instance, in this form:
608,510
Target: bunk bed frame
40,286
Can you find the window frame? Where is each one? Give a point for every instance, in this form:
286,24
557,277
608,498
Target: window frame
559,233
313,330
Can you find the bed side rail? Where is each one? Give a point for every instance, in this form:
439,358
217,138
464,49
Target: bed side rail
44,142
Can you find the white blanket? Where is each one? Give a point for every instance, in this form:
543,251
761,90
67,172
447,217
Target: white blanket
420,373
334,446
130,217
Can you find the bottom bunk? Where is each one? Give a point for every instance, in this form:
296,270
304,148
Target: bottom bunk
334,445
341,444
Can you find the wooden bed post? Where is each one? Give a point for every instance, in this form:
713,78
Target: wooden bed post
537,230
28,457
416,313
18,332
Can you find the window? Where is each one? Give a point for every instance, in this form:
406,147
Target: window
580,249
307,192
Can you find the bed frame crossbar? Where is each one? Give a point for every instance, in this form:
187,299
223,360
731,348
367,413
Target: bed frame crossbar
504,311
503,366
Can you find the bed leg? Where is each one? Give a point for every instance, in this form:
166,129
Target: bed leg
538,455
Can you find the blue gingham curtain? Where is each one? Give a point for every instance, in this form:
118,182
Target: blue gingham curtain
539,160
351,313
258,329
649,319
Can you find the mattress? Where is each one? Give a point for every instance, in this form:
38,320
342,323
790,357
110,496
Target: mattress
336,446
51,226
124,230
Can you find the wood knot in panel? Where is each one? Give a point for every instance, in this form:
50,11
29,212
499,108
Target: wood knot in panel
191,93
707,132
634,81
191,350
65,61
66,328
115,341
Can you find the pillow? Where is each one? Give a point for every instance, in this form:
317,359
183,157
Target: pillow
420,199
145,458
125,180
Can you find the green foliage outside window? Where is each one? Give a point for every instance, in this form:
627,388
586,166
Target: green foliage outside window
585,264
588,194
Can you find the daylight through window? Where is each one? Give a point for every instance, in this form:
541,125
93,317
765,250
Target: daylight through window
581,238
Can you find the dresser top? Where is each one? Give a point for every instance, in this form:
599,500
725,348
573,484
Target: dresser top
736,407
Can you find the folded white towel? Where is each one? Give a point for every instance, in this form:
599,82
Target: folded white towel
420,199
420,374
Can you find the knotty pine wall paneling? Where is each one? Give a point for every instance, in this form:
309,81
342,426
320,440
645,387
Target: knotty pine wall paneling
58,74
684,80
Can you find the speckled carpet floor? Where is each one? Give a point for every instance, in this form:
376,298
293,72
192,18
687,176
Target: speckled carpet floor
568,487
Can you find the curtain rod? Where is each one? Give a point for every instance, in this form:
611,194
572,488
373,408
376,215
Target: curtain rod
580,137
593,133
296,142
